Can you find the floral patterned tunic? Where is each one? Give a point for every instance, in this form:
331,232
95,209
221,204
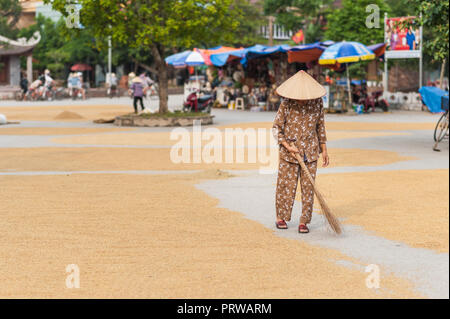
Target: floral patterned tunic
301,123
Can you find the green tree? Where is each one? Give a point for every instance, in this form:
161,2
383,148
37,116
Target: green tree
349,22
60,47
401,8
51,39
9,15
299,14
435,21
57,59
250,22
159,26
10,11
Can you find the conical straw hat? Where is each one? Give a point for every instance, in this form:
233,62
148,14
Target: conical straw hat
301,86
137,80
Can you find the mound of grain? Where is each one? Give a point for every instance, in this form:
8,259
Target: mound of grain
67,115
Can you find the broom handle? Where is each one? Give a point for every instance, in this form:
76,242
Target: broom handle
302,164
331,219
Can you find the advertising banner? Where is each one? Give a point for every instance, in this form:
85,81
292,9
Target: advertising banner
402,33
403,38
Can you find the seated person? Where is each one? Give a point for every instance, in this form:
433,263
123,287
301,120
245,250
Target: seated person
74,83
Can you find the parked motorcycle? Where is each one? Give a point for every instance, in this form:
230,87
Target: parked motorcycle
374,100
198,104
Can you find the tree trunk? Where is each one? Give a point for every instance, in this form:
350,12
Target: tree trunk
441,78
145,66
163,81
271,19
163,89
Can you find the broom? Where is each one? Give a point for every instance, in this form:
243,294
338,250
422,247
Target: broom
331,219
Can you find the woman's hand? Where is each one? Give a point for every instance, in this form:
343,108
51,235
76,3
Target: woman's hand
325,157
291,148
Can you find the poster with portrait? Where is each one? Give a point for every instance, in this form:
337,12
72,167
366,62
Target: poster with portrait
402,33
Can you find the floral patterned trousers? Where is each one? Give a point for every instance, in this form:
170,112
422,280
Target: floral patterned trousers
288,174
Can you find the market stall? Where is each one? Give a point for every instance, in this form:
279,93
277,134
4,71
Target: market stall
246,78
345,53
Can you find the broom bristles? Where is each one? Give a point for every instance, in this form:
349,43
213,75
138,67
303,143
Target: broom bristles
332,220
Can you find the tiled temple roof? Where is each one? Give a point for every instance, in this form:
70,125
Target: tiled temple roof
19,46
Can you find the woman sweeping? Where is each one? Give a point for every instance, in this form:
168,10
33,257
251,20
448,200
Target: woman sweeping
299,127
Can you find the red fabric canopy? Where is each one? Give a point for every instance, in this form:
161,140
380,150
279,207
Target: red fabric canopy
304,56
81,67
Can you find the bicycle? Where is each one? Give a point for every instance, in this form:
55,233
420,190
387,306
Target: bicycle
19,95
151,92
442,126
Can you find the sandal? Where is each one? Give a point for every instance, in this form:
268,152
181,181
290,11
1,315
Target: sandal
281,224
303,229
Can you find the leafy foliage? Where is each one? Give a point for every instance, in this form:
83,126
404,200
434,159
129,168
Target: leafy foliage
160,25
349,22
250,21
298,14
401,8
10,11
51,41
435,20
59,48
169,23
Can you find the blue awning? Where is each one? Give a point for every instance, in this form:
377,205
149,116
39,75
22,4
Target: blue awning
327,43
220,59
343,82
375,47
310,46
261,50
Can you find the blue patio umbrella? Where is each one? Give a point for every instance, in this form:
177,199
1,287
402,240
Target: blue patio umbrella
346,52
185,58
178,59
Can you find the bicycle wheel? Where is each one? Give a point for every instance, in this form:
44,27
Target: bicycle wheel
441,128
18,96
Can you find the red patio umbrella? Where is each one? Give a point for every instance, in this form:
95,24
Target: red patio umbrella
80,67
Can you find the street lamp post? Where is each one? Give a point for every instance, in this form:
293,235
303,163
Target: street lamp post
109,57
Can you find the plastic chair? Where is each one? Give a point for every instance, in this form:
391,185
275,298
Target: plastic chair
240,105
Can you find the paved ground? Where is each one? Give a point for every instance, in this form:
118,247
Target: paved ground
395,211
427,269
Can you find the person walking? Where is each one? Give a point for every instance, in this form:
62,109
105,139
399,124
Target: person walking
131,76
112,83
299,127
23,85
137,91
